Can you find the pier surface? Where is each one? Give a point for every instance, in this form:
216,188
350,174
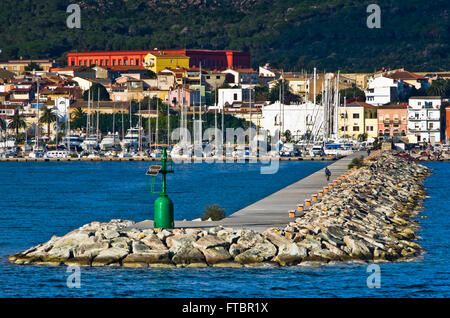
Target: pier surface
272,211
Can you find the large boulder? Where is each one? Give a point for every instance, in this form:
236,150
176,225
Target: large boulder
209,241
148,258
216,255
356,248
260,252
289,253
153,242
109,256
186,255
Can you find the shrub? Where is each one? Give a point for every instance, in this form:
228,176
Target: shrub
214,212
356,162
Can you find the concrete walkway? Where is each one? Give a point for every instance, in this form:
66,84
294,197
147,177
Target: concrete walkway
272,211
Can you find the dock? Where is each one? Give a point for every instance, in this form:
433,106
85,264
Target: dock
85,159
273,210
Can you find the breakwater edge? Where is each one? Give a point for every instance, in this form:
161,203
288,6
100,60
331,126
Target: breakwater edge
370,216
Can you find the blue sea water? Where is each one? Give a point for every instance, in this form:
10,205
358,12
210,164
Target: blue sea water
38,200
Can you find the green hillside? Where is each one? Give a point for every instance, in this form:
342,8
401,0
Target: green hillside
293,34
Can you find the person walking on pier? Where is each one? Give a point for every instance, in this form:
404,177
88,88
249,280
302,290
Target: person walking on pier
327,173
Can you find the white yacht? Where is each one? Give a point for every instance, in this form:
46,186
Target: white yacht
131,139
181,151
90,143
37,153
110,141
9,143
57,154
74,141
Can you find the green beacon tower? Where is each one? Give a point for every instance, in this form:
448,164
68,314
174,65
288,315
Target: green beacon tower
163,208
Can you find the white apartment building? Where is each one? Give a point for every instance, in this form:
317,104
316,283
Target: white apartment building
424,119
381,90
234,95
298,119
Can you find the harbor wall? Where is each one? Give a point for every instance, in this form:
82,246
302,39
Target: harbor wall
370,216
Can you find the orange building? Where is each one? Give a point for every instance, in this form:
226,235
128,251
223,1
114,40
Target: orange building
210,59
392,120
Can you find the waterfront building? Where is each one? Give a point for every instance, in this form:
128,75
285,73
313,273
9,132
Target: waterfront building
103,107
213,80
447,124
18,66
392,120
424,119
360,80
187,97
302,120
209,59
357,118
228,96
408,79
75,71
381,90
159,61
241,77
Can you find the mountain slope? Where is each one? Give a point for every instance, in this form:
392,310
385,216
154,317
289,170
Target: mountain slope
294,34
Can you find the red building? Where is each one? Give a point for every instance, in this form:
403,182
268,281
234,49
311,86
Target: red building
447,124
209,59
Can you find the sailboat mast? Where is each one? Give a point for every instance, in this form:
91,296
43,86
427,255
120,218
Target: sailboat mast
157,123
130,115
168,124
223,120
98,112
88,118
37,119
114,126
140,124
149,124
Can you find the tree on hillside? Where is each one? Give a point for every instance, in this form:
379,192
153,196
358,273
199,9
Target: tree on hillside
17,122
78,119
33,66
352,93
47,117
95,88
439,87
288,96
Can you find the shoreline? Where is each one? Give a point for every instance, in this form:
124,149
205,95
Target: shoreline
369,217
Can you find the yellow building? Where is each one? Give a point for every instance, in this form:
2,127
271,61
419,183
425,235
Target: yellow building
157,62
18,66
357,118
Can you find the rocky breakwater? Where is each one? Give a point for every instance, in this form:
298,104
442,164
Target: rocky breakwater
370,216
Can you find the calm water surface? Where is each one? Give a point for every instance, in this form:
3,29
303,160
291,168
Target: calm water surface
39,200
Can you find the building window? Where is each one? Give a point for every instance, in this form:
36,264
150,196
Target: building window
125,62
114,62
106,62
355,116
235,96
137,61
355,128
120,62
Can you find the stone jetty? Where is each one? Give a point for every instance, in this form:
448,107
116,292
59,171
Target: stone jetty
369,217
